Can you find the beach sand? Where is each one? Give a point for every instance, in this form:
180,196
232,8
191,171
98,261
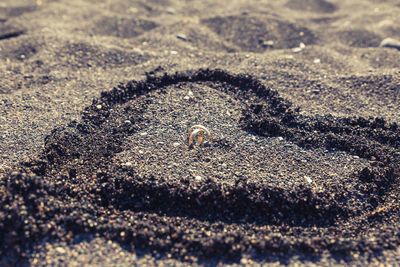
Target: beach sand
97,98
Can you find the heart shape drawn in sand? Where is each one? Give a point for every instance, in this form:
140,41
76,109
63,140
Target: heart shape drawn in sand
271,181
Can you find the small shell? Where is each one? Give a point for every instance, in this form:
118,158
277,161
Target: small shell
198,134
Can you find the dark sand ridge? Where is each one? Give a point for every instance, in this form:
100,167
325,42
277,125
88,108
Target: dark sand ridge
56,56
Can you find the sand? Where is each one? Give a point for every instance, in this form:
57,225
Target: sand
302,103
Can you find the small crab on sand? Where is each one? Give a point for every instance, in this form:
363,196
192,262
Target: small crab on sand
198,134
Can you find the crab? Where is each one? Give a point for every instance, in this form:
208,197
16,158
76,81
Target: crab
198,134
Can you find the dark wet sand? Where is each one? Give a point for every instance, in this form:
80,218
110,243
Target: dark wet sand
96,99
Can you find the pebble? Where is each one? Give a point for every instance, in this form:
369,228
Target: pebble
317,61
198,178
133,10
268,43
176,144
98,106
298,49
314,91
307,179
61,250
182,37
189,95
170,11
128,164
390,43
